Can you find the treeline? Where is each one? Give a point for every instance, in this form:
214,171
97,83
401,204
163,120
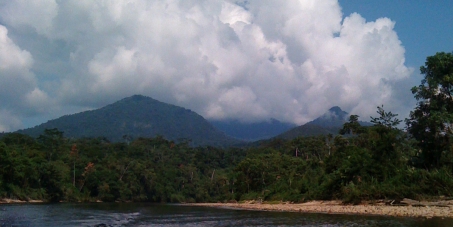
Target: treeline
377,162
56,168
362,163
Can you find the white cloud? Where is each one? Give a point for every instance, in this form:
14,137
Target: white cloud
37,14
18,89
253,60
9,121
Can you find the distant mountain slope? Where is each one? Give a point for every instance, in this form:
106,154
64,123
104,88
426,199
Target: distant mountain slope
329,123
308,130
253,131
137,116
334,117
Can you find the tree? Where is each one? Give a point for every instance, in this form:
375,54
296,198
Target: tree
73,155
430,123
52,141
385,141
387,119
352,126
54,175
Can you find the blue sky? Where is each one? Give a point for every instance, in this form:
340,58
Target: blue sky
424,27
252,61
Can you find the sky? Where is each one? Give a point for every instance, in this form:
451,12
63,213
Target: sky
290,60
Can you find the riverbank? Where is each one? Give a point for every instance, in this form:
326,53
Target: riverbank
4,201
336,207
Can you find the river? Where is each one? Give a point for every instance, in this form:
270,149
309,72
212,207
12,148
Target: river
145,214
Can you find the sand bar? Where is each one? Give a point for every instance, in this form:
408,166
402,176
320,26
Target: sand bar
335,207
4,201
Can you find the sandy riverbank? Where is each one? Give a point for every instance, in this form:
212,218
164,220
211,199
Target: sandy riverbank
335,207
3,201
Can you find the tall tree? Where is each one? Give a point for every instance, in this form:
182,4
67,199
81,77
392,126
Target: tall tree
352,126
387,119
385,141
52,141
430,123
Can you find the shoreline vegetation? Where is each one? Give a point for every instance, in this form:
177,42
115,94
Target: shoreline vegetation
440,209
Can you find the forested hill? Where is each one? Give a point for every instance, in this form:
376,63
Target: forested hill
329,123
137,116
334,117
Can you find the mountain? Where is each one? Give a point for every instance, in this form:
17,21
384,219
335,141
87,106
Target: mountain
329,123
137,116
307,130
252,131
335,117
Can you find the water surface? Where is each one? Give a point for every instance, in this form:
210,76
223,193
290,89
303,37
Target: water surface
145,214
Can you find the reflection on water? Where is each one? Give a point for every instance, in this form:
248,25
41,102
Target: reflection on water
142,214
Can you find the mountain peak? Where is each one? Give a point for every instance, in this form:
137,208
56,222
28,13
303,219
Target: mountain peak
137,98
336,109
137,116
334,117
337,112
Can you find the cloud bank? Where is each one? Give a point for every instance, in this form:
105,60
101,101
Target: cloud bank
248,60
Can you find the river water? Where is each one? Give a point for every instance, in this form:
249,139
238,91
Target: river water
144,214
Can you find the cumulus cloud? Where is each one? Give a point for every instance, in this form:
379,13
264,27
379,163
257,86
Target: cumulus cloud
18,88
8,121
37,14
251,60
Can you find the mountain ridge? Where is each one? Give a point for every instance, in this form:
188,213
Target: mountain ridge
329,123
137,116
334,117
141,116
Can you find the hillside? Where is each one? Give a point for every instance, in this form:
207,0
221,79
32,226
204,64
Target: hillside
329,123
335,117
308,130
137,116
252,131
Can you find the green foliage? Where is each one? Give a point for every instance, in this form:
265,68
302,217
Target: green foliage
52,141
386,119
370,165
430,123
54,175
352,126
